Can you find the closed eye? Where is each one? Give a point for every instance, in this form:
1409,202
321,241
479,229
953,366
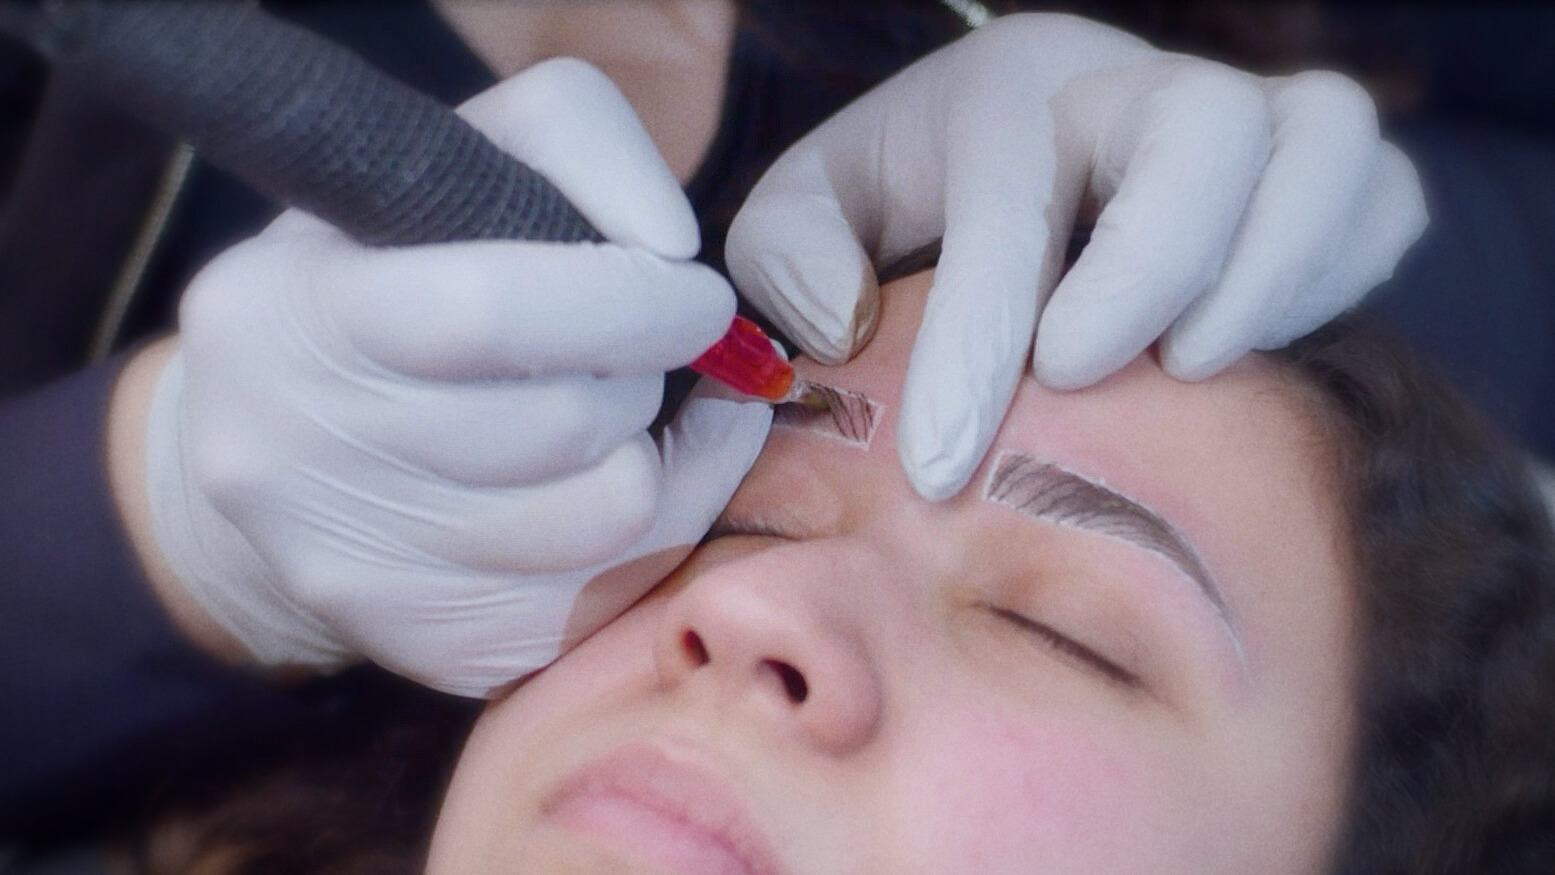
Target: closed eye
1067,646
724,527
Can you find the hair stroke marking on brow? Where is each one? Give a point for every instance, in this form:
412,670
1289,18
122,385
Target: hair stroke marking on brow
849,417
1047,491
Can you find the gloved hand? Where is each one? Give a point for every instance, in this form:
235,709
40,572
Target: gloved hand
425,455
1236,212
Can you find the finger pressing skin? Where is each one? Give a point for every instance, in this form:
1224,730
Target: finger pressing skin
864,189
1392,217
1184,160
1002,224
795,257
1326,146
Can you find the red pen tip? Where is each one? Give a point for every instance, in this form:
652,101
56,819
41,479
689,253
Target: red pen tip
746,360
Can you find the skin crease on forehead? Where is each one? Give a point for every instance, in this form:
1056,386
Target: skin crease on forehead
934,735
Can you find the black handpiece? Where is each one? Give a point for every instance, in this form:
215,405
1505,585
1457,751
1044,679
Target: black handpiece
312,125
302,120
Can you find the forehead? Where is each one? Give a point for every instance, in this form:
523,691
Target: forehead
1136,429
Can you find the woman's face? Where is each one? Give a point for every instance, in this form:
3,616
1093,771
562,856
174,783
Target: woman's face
1125,647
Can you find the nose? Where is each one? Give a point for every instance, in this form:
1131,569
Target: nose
770,644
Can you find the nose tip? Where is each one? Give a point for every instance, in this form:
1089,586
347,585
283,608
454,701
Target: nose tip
772,659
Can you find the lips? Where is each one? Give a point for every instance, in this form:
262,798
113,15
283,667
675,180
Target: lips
661,810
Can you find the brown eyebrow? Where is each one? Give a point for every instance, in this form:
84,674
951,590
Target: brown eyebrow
848,416
1045,491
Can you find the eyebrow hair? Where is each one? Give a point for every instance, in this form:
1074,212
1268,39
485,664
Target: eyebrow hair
849,416
1045,491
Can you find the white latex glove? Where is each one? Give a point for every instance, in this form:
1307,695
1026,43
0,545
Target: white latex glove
423,455
1236,212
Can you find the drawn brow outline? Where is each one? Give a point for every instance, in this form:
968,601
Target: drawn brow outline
1046,491
850,416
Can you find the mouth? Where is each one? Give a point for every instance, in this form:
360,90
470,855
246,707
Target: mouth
642,802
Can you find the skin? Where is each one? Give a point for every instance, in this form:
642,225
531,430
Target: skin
934,733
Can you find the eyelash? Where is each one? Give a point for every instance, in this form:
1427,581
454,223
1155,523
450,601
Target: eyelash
723,530
1066,646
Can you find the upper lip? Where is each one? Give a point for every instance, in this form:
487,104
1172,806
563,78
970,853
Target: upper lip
669,782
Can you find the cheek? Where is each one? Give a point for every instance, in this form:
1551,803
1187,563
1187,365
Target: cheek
522,741
991,793
618,658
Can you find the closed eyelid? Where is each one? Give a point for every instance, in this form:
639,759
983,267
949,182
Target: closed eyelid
1054,638
726,525
1045,491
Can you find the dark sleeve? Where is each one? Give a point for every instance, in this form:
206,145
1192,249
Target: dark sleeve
98,688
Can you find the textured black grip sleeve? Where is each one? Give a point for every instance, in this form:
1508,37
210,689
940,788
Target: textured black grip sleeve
307,122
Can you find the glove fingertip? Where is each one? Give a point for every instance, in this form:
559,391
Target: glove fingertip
938,461
1192,359
1074,348
935,477
716,424
934,483
661,222
1064,369
797,260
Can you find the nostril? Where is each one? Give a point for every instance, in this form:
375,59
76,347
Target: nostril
793,682
695,649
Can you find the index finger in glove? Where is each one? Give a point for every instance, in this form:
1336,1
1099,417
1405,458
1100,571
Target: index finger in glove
1326,148
498,309
1001,251
865,187
569,121
1174,170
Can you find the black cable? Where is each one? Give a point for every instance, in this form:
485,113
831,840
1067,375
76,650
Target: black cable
302,120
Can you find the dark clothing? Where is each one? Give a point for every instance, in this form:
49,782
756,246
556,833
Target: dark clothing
115,699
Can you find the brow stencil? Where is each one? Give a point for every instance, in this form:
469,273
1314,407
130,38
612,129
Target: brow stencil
849,416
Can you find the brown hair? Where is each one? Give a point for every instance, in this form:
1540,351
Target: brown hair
1454,770
355,792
